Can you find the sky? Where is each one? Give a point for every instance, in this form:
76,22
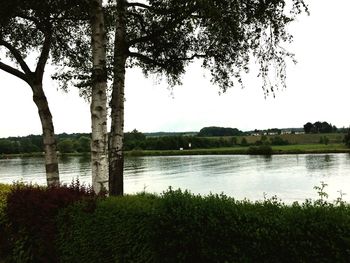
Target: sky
317,90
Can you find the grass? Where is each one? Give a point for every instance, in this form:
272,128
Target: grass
311,148
286,149
334,138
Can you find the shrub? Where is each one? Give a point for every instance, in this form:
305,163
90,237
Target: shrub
119,229
180,227
4,244
324,140
66,146
244,142
31,212
347,138
4,191
277,140
261,149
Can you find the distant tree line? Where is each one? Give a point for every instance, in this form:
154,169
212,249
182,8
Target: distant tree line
135,140
219,131
208,137
67,143
320,127
138,141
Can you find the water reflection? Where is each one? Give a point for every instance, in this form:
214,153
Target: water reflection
84,158
319,162
134,166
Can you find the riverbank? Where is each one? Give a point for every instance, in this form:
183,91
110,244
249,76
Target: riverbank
239,150
285,149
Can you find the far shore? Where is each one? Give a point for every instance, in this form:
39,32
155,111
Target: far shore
238,150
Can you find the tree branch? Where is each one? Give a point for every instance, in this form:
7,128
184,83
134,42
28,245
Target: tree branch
17,55
32,19
14,72
159,64
160,31
136,4
146,59
45,51
140,19
191,57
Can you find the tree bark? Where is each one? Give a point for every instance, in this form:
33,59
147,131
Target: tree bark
116,158
98,107
50,146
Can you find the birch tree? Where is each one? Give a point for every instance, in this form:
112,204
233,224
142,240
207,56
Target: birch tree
99,158
20,32
42,28
163,36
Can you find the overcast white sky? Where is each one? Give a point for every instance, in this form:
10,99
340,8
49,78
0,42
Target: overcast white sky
318,89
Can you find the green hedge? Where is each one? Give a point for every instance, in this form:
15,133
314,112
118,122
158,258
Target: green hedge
180,227
260,150
4,190
116,230
173,227
4,243
31,213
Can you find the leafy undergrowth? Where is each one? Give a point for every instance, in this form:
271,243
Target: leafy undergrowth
72,224
31,213
178,226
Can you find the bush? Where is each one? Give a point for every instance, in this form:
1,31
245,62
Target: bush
261,149
66,146
119,229
347,138
277,140
324,140
31,212
4,191
180,227
4,244
244,142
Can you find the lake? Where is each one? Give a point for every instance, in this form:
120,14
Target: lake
290,177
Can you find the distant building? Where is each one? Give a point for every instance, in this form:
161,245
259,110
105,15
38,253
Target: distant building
286,132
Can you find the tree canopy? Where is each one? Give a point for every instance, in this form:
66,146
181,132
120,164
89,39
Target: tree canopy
163,37
219,131
319,127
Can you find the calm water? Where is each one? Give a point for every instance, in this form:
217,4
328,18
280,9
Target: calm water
290,177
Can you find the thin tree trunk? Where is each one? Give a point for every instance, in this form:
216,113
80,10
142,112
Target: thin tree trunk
98,108
50,145
116,158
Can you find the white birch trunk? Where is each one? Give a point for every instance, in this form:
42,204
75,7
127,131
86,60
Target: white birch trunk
98,108
49,140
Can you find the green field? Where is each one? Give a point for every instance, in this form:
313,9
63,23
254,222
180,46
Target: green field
313,138
298,143
334,138
286,149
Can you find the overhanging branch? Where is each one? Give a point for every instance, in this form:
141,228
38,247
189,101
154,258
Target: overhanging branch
13,71
149,60
136,4
17,55
146,59
191,57
32,19
168,26
45,51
